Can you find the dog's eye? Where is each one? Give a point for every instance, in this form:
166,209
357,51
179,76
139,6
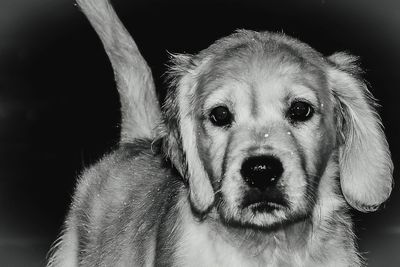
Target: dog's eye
300,111
221,116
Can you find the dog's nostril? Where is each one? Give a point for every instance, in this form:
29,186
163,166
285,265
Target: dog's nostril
261,171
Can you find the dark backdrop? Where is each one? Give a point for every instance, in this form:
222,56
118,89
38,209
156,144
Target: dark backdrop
59,110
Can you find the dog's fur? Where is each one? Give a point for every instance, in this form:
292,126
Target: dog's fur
172,193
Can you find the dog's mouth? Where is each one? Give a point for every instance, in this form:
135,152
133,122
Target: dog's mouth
264,202
265,206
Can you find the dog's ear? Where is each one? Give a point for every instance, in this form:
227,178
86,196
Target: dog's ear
181,138
365,163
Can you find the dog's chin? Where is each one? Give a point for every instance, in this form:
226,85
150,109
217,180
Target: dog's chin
268,219
262,215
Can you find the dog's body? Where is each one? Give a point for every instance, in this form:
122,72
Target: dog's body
261,148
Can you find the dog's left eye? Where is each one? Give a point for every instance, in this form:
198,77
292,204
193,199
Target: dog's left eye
221,116
300,111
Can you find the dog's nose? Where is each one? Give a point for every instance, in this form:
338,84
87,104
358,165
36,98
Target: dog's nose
262,171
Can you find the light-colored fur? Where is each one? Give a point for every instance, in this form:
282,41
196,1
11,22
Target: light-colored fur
139,104
172,193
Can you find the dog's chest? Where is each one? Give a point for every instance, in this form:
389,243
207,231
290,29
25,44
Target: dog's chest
198,246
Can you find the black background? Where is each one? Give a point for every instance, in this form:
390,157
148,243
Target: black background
59,109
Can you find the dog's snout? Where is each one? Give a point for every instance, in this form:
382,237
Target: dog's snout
262,171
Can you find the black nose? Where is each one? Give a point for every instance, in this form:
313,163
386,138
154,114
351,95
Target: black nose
261,171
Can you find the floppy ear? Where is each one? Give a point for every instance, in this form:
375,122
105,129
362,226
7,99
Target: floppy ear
364,157
181,141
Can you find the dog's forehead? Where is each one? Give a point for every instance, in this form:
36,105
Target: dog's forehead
270,69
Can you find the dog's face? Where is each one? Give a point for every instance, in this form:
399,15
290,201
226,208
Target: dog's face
253,124
266,131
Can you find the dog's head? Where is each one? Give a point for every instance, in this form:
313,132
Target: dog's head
254,121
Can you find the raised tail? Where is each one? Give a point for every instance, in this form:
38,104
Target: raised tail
139,105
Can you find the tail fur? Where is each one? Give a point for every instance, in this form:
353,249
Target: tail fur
139,105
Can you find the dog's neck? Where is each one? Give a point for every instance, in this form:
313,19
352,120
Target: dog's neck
211,243
256,241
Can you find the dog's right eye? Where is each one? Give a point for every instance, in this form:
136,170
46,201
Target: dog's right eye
221,116
300,111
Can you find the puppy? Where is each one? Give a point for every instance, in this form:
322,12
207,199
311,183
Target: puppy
261,148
